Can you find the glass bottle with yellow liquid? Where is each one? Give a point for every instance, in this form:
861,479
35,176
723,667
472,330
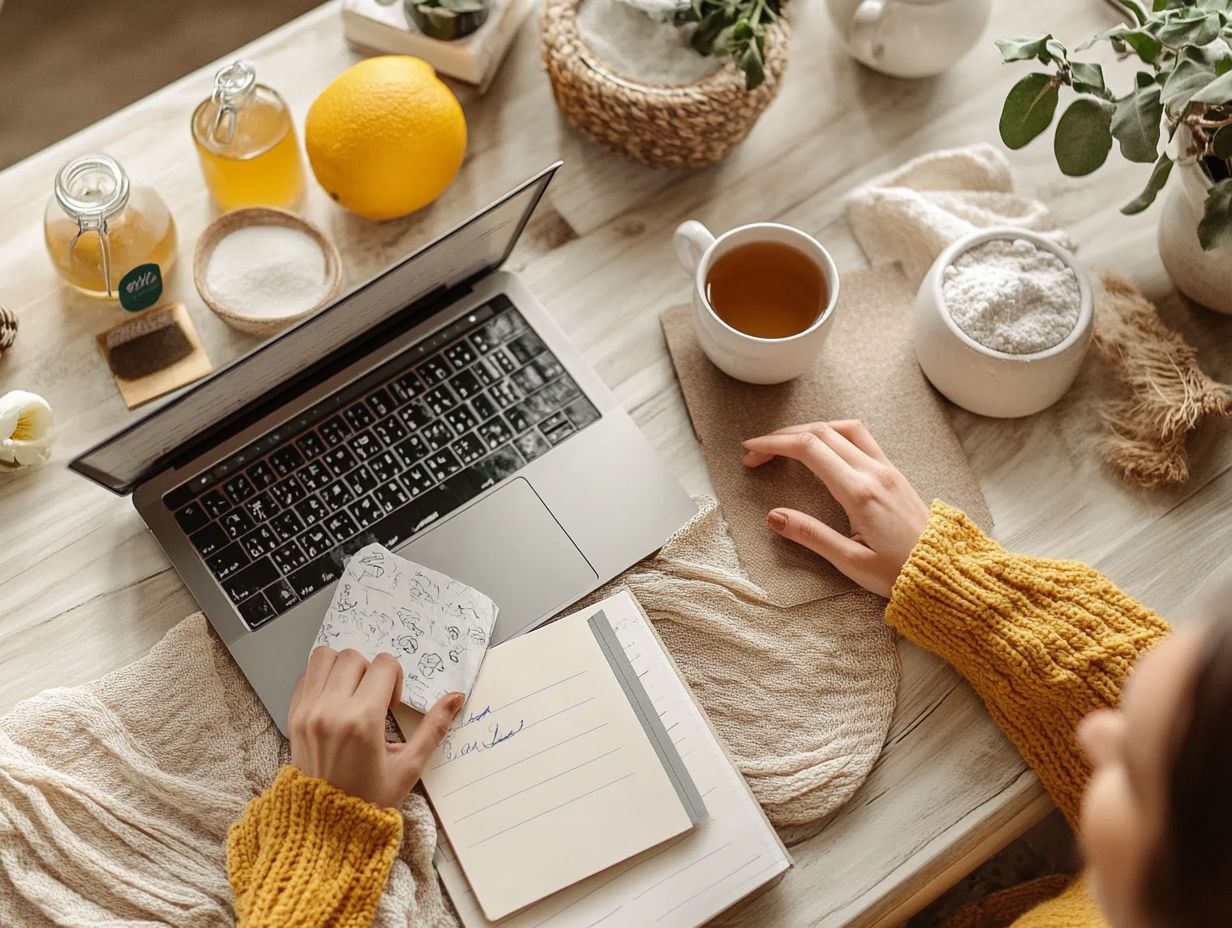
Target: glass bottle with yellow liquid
246,142
106,238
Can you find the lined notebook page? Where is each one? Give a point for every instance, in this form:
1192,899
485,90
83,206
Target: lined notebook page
548,776
686,883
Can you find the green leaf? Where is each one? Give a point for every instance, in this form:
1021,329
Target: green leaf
1083,137
1154,184
1088,78
753,66
1221,144
732,37
1028,109
1190,27
1145,45
1216,92
708,30
1136,9
1215,227
1185,80
1135,123
1024,49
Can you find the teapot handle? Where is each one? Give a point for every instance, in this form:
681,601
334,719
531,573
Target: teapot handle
866,28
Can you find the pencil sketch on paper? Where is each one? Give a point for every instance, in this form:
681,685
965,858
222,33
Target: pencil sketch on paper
437,627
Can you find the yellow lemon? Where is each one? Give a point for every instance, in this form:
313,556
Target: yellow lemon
386,137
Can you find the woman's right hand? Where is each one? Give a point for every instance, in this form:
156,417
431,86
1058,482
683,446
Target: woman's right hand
337,723
886,514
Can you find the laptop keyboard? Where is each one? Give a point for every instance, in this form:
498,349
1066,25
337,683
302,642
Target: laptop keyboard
379,460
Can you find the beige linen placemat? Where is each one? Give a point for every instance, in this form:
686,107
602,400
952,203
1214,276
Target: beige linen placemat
867,371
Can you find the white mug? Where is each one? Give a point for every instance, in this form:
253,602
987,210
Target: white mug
748,357
910,38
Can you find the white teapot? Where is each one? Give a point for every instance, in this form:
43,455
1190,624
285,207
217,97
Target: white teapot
909,38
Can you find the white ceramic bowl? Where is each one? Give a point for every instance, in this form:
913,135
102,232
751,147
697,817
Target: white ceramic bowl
984,380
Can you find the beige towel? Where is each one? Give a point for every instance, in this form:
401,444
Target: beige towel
115,796
910,214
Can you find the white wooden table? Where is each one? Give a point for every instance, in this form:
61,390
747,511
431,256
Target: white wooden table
84,588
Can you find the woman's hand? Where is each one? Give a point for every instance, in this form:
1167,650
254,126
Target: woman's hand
337,723
887,516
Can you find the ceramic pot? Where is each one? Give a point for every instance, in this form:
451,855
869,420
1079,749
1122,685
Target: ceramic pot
1203,276
909,38
438,23
983,380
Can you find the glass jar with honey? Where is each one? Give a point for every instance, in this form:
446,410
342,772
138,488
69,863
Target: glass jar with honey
105,237
246,142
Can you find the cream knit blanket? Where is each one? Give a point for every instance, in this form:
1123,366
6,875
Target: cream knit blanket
115,796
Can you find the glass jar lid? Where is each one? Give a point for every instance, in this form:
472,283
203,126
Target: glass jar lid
92,188
233,87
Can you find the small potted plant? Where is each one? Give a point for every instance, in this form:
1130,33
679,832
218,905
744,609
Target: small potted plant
444,19
666,121
1183,84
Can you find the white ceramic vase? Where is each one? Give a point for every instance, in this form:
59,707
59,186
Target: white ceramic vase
1203,276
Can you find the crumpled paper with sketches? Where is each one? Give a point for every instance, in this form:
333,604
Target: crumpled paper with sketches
437,627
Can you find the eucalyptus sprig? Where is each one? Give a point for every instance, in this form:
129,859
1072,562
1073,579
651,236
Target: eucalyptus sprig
1185,47
735,28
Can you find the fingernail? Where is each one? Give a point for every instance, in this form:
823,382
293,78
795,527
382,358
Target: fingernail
455,702
777,520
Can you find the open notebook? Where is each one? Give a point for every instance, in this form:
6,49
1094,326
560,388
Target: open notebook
684,883
557,768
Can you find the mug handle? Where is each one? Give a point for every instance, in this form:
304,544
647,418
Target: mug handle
692,240
866,28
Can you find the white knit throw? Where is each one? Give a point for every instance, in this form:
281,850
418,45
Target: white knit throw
115,796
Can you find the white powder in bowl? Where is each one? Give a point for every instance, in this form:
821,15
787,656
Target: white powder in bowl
1011,296
638,47
267,271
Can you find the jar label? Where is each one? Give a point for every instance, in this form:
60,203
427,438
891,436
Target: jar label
141,287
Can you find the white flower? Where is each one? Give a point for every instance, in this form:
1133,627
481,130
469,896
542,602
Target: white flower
25,430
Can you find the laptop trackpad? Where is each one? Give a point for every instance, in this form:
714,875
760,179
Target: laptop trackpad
510,547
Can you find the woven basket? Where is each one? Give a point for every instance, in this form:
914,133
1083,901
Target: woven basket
686,125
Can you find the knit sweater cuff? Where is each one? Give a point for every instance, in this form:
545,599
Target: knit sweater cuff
307,853
1043,642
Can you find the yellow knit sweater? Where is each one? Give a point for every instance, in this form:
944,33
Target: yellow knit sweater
1042,642
307,855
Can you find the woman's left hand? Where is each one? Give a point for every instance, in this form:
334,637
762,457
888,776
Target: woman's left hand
886,514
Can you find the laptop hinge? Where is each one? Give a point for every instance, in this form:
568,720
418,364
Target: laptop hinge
356,349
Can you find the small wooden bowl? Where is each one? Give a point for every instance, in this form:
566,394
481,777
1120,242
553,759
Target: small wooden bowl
227,223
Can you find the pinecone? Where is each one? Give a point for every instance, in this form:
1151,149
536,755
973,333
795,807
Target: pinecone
8,330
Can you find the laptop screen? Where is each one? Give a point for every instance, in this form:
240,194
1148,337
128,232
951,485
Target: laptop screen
476,246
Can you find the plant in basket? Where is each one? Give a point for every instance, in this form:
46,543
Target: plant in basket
735,28
670,83
1181,94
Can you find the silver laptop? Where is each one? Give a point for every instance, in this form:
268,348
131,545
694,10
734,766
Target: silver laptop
437,410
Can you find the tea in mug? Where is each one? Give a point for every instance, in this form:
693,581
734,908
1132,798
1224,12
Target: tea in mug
767,289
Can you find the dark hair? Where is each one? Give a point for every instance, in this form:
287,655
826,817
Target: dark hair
1189,884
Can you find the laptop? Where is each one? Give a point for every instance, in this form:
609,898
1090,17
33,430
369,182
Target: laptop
438,410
